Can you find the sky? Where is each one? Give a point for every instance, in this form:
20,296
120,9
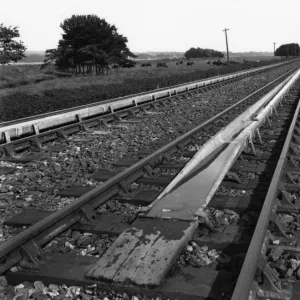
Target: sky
163,25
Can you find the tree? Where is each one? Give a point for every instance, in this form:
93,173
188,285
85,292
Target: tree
199,52
10,49
90,42
50,57
288,50
93,56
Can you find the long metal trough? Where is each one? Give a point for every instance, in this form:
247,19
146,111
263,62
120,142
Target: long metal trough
193,188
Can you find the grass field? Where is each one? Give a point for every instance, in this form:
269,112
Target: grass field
21,74
25,78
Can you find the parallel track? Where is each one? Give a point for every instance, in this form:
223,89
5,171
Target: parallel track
72,119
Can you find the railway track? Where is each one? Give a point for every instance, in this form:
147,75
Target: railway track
145,254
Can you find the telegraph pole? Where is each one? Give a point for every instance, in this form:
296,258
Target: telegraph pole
226,29
274,48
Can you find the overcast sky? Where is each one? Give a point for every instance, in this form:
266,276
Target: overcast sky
163,25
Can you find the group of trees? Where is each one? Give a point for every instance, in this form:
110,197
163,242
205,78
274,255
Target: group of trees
199,52
88,43
288,50
10,49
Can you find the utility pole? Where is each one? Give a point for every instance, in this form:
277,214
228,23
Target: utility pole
226,29
274,48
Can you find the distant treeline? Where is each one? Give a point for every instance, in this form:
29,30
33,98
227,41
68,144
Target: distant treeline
199,52
34,57
39,57
288,50
249,54
158,55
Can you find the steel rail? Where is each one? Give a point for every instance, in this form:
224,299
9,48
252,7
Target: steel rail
26,142
59,221
249,267
13,129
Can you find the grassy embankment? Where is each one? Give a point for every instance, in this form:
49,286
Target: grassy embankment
12,76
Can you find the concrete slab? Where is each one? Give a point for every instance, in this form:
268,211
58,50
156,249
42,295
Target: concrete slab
144,253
